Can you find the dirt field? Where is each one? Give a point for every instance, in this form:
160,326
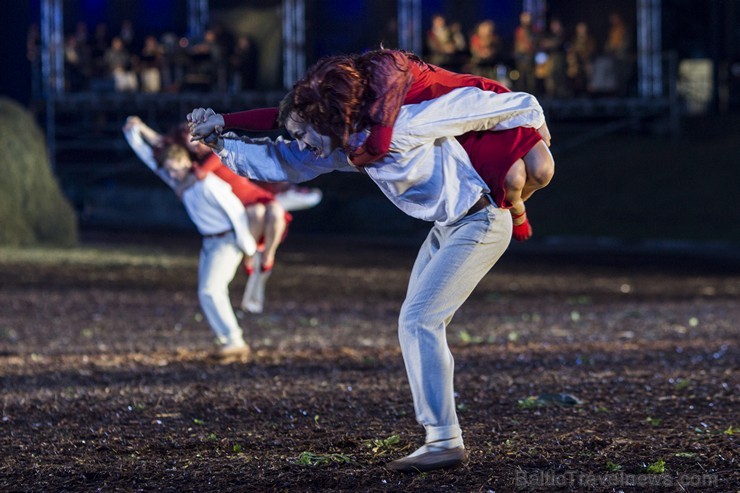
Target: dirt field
107,384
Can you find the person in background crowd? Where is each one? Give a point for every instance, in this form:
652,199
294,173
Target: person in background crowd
440,45
206,67
74,76
485,50
618,46
525,44
128,35
150,65
243,65
460,57
33,55
579,59
120,66
552,44
100,44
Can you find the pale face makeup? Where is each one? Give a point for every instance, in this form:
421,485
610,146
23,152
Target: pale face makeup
307,136
178,169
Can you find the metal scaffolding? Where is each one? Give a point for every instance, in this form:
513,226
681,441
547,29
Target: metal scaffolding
409,25
538,10
649,48
52,66
294,41
197,18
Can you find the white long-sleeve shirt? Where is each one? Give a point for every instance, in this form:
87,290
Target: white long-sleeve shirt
210,202
426,173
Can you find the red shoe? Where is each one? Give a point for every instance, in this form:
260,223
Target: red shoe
523,231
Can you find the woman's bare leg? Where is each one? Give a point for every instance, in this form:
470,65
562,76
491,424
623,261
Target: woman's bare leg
274,230
527,175
256,216
515,182
540,168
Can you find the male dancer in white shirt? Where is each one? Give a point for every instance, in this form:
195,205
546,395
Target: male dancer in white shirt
220,218
429,176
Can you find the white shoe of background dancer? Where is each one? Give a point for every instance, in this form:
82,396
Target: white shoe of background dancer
254,294
299,198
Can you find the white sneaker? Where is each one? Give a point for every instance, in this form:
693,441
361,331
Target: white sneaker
299,198
254,294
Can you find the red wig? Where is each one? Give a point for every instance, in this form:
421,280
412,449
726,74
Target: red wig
342,95
330,97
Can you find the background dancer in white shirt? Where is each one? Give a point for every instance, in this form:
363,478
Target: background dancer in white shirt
220,218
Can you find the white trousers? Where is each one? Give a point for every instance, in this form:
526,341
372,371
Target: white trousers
450,264
219,259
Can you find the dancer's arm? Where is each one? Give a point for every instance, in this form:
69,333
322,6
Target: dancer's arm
150,136
139,136
205,121
256,120
465,110
270,160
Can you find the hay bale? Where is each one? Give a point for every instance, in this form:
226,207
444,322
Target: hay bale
32,207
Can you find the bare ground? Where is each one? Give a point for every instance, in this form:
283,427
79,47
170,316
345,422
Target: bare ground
107,382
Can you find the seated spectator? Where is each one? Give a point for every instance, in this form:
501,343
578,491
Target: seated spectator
119,63
440,45
150,65
100,44
485,49
206,59
128,35
580,56
174,61
74,75
618,45
460,57
33,55
552,68
243,65
525,44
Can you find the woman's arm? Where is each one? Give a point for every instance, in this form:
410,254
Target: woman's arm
150,136
468,109
135,130
205,121
257,120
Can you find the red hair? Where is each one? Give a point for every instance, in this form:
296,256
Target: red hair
342,95
330,97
